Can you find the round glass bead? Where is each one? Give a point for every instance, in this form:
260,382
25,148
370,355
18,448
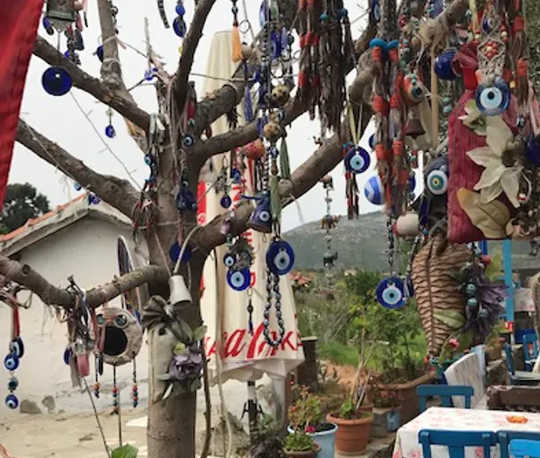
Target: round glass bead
110,131
56,81
180,10
470,289
472,302
99,52
77,186
179,26
13,383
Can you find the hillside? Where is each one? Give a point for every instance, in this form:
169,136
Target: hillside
361,244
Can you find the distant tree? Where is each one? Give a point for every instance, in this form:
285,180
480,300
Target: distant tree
22,202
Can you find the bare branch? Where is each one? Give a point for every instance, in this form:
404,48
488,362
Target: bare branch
93,86
111,69
189,47
113,190
25,276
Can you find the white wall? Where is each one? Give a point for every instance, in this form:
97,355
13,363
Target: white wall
87,250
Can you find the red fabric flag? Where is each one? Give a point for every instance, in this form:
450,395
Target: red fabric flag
20,21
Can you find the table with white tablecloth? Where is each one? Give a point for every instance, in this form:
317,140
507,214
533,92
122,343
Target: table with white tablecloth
447,418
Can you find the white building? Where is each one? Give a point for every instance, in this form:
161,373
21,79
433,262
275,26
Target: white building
76,239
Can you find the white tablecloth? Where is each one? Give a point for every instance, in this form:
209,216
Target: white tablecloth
407,445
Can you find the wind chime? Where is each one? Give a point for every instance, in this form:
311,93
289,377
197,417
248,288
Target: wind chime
15,348
63,16
328,223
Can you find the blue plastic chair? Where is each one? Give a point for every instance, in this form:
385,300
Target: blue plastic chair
519,377
456,441
528,340
505,437
520,448
445,392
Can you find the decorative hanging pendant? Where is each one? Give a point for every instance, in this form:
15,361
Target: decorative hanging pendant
391,293
61,13
12,359
239,280
374,190
56,81
280,257
494,99
357,160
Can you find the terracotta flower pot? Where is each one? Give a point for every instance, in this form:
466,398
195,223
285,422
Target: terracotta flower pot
306,454
352,436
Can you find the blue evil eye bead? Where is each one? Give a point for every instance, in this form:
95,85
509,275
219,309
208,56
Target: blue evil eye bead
374,190
412,182
16,346
494,99
93,199
179,26
99,52
77,186
470,289
357,160
391,293
11,401
13,384
437,182
280,257
225,201
375,9
68,353
11,362
148,159
236,176
180,10
150,74
239,280
56,81
47,25
109,131
187,141
174,252
229,260
372,141
444,65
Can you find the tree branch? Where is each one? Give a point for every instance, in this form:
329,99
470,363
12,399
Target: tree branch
93,86
189,47
117,192
25,276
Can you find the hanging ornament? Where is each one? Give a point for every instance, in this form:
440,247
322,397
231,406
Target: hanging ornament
374,190
179,25
56,81
12,359
109,129
280,257
391,293
99,53
493,99
357,160
61,13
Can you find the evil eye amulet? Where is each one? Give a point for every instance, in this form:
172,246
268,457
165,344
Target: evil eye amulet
229,260
239,280
357,160
437,182
11,401
68,353
11,362
391,293
493,100
109,131
225,201
99,53
16,346
444,65
56,81
179,26
374,190
280,257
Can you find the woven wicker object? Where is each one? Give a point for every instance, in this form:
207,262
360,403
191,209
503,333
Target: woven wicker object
435,289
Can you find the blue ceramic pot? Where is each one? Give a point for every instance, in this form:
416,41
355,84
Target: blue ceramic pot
325,439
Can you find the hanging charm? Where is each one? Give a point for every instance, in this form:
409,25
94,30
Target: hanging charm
12,359
109,129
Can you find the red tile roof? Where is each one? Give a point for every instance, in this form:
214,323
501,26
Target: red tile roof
33,221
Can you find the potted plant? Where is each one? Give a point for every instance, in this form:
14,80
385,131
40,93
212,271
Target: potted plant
354,420
300,445
305,416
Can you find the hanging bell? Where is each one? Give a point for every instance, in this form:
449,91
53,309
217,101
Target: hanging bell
178,290
261,218
414,127
61,13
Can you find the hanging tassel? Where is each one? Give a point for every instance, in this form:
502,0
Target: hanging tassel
275,199
284,164
236,45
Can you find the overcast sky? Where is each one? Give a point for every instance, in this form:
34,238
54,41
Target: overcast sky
60,119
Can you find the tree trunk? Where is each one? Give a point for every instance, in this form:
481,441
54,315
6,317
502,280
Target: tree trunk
171,423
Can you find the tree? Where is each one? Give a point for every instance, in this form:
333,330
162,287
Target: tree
21,203
171,427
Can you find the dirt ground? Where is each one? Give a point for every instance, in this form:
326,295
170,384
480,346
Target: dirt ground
63,436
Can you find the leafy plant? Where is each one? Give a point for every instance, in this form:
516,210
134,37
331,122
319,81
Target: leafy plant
305,413
298,442
347,410
127,451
